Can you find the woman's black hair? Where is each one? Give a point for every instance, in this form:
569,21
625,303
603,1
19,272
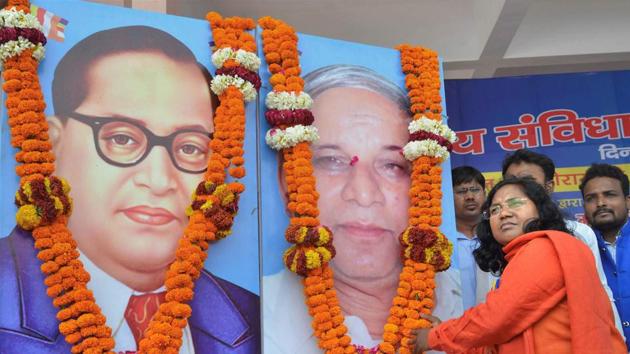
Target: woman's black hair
489,256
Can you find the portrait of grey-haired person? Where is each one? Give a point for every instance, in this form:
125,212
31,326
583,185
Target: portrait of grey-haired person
363,184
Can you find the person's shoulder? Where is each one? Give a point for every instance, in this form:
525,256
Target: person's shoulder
580,230
27,316
9,291
287,322
539,249
280,289
210,282
546,249
225,311
8,266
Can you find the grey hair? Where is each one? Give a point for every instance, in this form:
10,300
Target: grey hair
355,76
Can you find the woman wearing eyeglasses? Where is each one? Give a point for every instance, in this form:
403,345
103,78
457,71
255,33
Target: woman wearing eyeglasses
549,300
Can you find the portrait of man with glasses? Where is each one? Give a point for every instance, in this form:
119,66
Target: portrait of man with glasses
133,116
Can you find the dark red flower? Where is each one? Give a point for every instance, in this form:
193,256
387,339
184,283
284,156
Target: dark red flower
33,35
8,34
425,135
222,219
288,117
243,73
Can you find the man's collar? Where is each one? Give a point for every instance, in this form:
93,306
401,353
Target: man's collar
462,236
623,231
110,294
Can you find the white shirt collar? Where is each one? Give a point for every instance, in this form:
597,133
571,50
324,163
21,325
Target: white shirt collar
104,286
112,297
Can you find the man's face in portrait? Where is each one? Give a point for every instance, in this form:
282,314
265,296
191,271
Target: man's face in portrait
129,193
362,178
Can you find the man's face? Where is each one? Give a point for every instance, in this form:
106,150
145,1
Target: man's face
526,169
604,204
362,178
469,197
127,220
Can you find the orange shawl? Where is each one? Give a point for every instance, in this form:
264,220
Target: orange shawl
544,268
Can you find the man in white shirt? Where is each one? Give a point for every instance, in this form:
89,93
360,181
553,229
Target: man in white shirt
524,163
468,196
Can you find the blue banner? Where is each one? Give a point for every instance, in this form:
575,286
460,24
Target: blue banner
575,119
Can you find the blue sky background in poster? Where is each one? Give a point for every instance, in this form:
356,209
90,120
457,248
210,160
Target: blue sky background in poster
575,119
235,258
317,52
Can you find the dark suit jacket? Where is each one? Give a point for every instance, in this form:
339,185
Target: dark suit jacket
225,319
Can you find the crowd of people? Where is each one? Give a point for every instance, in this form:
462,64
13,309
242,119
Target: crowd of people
529,284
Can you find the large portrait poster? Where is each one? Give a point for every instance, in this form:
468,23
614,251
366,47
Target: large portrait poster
363,184
575,119
130,115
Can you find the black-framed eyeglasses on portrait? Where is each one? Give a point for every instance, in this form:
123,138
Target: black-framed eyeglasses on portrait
123,142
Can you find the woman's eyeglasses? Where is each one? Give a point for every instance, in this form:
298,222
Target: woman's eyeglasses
512,204
124,143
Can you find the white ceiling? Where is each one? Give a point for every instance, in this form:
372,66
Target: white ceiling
476,38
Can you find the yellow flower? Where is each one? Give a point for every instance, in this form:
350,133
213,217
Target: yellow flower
302,234
27,217
47,185
65,186
312,259
27,190
324,236
58,204
325,253
207,205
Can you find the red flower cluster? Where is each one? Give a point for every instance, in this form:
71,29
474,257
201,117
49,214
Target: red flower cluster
309,235
424,135
243,73
418,237
289,117
47,196
218,204
31,34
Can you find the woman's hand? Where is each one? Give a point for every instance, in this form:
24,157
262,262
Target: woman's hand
422,341
422,334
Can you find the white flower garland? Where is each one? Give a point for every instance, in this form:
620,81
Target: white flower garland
288,100
13,48
248,60
432,126
417,148
221,82
19,19
279,139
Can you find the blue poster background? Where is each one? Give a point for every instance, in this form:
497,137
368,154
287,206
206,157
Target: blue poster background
575,119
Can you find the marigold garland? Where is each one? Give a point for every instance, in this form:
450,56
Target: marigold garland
43,199
214,202
45,205
424,248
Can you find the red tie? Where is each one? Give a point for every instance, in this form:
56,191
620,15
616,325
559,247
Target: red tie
139,312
